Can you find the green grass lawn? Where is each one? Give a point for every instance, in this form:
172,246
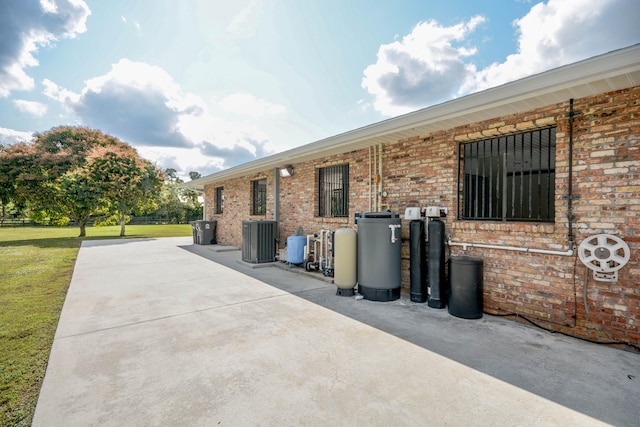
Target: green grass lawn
36,264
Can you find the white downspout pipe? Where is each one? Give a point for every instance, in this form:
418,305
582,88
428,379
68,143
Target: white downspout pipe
276,195
204,205
464,245
370,178
380,173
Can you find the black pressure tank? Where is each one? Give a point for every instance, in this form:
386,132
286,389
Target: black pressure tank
417,261
379,256
435,268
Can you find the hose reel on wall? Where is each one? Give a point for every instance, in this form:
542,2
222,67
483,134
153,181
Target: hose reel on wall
605,254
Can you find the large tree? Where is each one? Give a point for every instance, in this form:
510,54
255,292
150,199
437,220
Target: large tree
78,197
7,187
128,183
57,174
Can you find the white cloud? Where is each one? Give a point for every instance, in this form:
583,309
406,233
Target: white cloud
135,101
62,95
10,136
183,160
25,26
249,105
426,66
36,109
560,32
142,105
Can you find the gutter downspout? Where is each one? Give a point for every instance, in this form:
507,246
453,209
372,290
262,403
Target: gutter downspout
204,205
276,201
370,178
379,194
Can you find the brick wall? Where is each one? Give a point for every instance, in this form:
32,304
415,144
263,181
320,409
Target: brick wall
555,291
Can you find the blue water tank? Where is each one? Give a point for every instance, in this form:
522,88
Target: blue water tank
295,249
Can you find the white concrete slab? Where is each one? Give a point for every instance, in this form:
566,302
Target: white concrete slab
151,334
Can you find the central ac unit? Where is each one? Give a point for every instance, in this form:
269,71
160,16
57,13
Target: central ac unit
259,241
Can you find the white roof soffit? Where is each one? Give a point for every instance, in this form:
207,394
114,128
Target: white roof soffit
615,70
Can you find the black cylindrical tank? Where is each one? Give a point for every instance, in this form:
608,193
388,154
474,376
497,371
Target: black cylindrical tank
435,268
465,293
417,261
379,256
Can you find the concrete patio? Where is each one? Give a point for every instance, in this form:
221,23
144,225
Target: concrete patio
161,332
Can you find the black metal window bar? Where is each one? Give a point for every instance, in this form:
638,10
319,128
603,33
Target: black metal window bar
219,200
259,196
509,178
333,191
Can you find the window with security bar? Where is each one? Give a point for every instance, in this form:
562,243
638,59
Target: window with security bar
509,178
333,191
219,200
259,197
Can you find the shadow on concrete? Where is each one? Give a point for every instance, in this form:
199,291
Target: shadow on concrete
596,380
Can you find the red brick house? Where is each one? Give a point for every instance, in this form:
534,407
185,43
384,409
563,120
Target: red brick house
527,171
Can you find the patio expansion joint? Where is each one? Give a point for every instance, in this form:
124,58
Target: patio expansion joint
170,316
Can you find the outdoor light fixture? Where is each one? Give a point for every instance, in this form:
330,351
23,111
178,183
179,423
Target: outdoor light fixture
286,171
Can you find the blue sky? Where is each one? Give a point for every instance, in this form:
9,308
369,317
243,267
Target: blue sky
202,85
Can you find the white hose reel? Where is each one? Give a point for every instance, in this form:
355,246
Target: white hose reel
605,254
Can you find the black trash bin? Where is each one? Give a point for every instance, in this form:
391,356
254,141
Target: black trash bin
465,287
194,231
205,232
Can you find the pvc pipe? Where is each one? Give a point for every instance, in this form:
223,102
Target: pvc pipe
305,252
325,260
276,196
370,178
568,252
393,227
321,254
204,205
380,173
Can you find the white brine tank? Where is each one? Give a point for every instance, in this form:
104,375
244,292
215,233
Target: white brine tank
345,241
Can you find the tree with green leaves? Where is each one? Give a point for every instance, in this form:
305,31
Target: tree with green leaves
78,197
177,203
72,173
127,183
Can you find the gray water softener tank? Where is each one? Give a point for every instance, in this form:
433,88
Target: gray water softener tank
379,256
